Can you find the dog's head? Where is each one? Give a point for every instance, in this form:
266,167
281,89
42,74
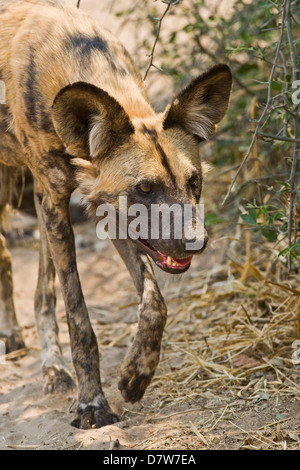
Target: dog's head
152,159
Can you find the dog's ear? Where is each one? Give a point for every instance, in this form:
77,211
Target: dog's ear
88,120
199,107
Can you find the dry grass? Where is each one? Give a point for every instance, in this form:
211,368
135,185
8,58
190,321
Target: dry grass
226,361
230,333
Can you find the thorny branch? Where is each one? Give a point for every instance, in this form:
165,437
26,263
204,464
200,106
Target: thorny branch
269,99
292,180
151,55
276,137
285,28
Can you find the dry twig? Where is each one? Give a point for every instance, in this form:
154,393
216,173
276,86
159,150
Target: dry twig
269,98
151,55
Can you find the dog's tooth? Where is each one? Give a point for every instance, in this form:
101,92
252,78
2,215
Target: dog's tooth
169,261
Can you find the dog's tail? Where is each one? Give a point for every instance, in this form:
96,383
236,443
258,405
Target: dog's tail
8,181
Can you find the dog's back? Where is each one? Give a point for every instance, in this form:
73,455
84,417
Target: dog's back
43,50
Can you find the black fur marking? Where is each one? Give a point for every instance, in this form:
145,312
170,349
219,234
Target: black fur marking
165,162
30,89
24,139
35,108
84,46
151,132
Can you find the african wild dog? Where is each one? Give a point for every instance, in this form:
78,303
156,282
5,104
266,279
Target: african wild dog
76,114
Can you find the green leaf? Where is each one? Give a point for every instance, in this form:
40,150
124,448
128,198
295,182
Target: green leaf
245,68
287,145
278,215
291,251
283,252
295,246
212,219
172,37
262,210
283,183
269,234
250,217
275,86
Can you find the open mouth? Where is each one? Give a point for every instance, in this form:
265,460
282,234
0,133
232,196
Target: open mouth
164,262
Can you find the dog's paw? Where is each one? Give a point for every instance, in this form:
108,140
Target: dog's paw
57,378
132,387
12,339
136,374
94,415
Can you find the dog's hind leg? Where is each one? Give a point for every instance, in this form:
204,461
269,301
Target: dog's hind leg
10,331
56,375
141,361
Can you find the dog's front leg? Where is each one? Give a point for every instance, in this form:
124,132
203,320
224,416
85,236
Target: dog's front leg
93,409
141,361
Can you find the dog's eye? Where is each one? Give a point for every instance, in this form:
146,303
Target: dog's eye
145,188
193,181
